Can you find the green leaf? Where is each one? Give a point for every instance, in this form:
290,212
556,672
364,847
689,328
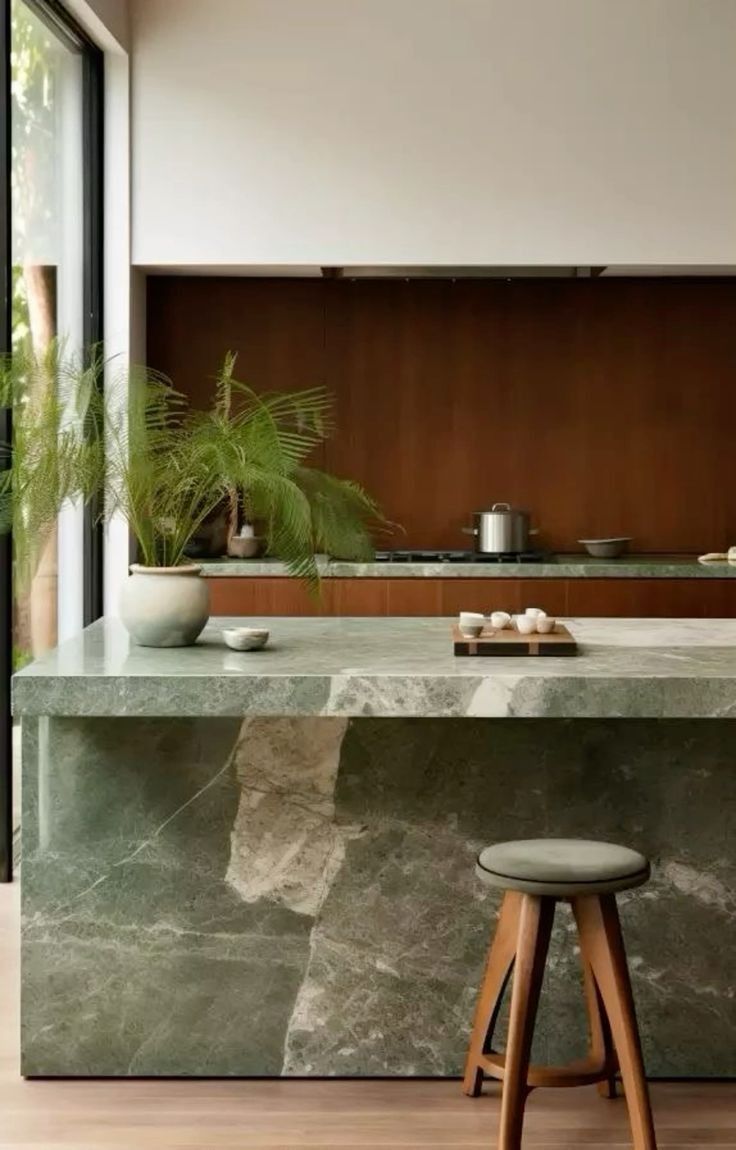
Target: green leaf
135,448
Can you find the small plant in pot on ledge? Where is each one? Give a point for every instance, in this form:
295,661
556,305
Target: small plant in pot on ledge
173,466
165,467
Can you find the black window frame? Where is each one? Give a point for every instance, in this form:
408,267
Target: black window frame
63,25
6,429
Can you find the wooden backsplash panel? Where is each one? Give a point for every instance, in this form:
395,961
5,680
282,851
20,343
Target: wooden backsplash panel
602,406
275,326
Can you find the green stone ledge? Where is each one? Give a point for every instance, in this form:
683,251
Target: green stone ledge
559,567
628,668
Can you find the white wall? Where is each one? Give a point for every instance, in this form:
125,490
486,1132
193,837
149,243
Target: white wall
434,131
119,314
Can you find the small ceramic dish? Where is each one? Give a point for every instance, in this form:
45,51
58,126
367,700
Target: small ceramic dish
246,638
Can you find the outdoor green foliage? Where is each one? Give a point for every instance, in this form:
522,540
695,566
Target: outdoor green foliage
34,153
165,467
52,460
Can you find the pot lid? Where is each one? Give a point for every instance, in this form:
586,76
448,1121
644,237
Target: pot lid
501,509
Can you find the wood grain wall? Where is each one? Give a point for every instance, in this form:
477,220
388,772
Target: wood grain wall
631,598
603,406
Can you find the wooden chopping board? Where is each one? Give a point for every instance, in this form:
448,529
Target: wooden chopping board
510,642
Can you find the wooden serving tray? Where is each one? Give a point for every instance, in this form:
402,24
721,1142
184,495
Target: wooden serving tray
510,642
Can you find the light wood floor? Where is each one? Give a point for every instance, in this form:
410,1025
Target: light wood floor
135,1115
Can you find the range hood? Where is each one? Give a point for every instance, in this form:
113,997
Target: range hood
461,272
443,271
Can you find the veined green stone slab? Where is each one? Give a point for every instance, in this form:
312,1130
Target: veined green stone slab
296,895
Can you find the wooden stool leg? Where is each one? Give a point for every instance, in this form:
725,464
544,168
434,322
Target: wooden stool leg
498,968
535,927
603,948
601,1042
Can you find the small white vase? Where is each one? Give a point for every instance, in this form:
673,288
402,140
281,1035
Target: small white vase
165,606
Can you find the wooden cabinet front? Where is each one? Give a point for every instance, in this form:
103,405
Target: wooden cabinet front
653,598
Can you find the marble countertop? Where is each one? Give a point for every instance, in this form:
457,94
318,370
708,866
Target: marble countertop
558,567
630,668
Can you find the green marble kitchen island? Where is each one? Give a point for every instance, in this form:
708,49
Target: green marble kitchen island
262,864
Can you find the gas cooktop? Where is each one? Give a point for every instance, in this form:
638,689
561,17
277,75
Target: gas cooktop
449,556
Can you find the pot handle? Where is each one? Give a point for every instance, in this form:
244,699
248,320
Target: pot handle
469,530
501,507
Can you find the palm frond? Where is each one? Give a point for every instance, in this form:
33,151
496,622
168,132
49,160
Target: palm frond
138,449
343,515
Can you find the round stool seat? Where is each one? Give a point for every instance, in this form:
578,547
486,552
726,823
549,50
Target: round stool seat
562,868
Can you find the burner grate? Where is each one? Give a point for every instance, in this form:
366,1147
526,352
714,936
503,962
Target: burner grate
449,556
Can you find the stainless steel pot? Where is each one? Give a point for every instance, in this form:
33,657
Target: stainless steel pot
500,531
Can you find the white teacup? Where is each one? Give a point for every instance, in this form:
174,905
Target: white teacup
526,624
471,623
500,620
545,624
534,612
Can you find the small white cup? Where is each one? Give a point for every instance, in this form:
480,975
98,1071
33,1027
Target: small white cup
526,624
500,620
545,624
534,612
471,623
471,618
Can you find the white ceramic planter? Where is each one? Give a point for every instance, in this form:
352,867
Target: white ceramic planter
165,606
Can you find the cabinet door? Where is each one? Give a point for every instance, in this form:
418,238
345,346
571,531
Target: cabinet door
652,598
250,596
635,598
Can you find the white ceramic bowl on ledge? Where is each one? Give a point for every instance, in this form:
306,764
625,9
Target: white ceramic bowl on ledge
607,548
245,638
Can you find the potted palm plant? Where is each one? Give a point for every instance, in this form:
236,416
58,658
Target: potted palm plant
166,467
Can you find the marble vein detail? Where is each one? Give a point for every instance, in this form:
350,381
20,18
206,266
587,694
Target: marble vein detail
286,845
398,945
138,956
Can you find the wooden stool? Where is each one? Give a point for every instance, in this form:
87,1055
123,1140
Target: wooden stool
536,874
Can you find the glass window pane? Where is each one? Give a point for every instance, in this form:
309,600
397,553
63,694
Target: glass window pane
47,251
